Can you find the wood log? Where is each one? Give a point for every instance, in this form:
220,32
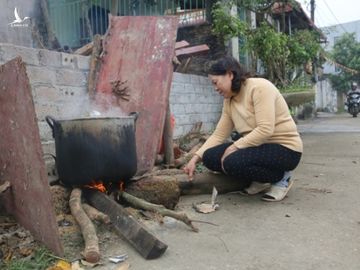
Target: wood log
94,65
203,183
86,49
153,190
181,44
142,240
91,252
186,158
192,51
95,214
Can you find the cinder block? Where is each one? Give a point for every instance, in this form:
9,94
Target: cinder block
48,147
72,91
46,93
44,109
28,55
40,75
45,131
181,78
178,131
178,109
68,60
49,58
205,81
177,88
70,78
194,79
51,170
83,62
189,88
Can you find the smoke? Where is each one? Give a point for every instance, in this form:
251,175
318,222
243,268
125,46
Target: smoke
103,105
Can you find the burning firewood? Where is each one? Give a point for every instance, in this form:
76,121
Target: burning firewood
142,240
91,252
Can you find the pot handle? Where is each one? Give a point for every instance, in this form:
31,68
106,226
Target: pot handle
135,114
50,120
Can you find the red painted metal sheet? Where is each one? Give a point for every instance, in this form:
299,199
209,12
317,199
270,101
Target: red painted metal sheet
139,50
21,162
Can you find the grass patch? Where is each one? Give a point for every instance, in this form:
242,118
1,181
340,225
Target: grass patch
40,260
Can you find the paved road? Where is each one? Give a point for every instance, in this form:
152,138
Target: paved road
317,227
328,123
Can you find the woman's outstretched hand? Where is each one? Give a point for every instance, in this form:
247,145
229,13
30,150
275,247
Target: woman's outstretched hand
190,167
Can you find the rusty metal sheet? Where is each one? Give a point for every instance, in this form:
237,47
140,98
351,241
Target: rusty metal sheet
21,162
139,50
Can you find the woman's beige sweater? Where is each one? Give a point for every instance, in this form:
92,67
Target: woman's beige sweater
260,114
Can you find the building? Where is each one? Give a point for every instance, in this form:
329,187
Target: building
333,33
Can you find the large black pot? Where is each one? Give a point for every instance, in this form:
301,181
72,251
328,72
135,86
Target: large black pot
101,149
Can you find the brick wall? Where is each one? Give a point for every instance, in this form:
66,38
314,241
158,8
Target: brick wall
193,99
58,81
55,78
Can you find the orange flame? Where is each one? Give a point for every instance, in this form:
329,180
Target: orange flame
122,185
98,185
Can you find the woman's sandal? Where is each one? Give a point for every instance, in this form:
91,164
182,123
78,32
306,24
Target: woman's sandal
277,193
255,188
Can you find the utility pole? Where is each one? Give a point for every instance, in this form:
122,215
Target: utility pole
314,67
312,8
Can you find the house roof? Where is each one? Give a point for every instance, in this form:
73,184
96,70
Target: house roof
300,20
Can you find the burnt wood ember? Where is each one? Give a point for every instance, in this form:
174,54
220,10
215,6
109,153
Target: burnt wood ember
143,241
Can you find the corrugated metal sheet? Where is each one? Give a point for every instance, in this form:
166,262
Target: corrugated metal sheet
139,51
21,162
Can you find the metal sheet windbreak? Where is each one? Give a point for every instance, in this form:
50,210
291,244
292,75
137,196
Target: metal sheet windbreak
138,51
21,162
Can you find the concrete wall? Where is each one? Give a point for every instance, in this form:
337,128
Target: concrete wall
325,97
59,80
17,34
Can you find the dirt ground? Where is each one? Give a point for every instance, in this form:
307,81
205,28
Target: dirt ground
316,227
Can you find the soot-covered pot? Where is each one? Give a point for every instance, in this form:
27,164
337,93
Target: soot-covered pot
100,149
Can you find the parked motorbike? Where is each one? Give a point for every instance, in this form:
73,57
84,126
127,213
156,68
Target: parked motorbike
353,103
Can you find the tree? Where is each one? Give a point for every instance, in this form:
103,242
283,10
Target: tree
346,52
281,55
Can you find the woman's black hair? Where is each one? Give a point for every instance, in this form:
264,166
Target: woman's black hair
230,64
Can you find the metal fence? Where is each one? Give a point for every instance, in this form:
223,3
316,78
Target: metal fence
76,21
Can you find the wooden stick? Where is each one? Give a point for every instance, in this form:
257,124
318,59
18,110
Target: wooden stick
4,186
95,214
86,49
142,204
168,139
91,251
94,66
